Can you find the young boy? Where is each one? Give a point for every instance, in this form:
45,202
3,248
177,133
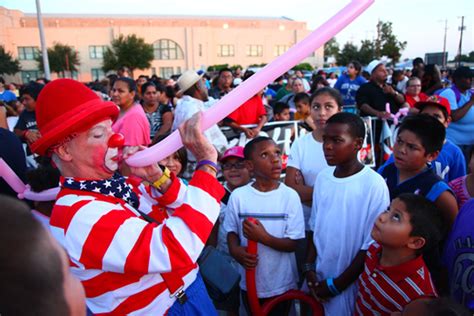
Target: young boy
419,140
281,112
279,224
395,273
346,201
26,127
303,109
450,163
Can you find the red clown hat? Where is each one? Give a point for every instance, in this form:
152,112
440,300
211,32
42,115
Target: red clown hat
65,107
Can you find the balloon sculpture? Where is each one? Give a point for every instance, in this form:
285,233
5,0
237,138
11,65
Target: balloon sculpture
257,82
289,295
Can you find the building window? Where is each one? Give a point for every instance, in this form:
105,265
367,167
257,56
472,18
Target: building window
28,53
97,74
30,75
225,51
167,49
254,50
200,50
97,52
280,50
166,72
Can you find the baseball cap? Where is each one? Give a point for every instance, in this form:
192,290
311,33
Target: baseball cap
372,65
434,100
237,151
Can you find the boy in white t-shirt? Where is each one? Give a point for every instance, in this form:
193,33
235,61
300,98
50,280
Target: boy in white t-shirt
279,225
347,200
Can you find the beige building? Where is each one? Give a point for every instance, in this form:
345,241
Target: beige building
180,42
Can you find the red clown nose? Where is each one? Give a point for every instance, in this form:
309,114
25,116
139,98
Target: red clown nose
116,141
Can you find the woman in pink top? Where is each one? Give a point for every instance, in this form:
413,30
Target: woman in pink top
132,121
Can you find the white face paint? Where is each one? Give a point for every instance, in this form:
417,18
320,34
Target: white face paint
111,159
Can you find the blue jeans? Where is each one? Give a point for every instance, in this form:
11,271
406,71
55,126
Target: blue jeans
198,303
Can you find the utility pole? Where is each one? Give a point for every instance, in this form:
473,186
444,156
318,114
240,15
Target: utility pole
461,28
44,49
444,43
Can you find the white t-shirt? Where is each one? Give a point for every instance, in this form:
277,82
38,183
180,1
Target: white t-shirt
280,213
342,218
307,156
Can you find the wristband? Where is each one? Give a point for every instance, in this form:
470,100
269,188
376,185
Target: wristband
307,267
332,288
164,177
209,163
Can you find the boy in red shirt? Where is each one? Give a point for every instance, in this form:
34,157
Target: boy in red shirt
395,273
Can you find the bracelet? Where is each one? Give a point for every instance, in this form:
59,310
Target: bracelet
164,177
208,163
332,288
307,267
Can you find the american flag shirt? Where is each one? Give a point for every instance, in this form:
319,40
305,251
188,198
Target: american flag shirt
118,256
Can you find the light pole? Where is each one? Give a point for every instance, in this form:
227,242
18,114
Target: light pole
44,50
444,41
461,28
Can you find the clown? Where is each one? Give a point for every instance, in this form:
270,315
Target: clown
129,259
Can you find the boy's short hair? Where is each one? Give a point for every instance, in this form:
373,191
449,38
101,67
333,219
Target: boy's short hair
333,93
428,129
301,97
280,107
250,146
33,89
425,219
356,125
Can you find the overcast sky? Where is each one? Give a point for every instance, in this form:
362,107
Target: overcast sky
419,22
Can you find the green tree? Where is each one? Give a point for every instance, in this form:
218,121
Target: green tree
331,48
349,52
366,52
387,44
62,58
465,58
216,68
234,67
129,51
304,66
8,64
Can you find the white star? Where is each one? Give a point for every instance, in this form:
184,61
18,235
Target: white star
93,182
82,186
97,190
107,184
119,188
69,181
111,193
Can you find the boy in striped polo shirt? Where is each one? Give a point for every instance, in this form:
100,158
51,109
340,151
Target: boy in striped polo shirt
395,273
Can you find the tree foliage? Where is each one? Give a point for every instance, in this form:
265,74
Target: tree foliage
129,51
349,52
304,66
217,67
366,52
62,58
387,43
8,64
331,48
469,58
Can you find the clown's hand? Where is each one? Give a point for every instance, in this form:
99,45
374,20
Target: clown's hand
149,173
195,141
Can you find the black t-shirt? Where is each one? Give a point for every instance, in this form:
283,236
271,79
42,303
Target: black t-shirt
27,121
11,151
372,94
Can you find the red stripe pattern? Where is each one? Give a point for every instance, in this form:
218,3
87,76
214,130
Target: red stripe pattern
119,257
383,290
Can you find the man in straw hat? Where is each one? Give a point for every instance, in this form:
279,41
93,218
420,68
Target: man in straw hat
130,256
194,92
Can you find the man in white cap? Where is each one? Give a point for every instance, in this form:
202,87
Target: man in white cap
195,93
130,255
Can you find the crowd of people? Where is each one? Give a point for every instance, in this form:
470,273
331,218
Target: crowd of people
394,238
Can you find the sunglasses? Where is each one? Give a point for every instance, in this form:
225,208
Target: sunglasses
238,165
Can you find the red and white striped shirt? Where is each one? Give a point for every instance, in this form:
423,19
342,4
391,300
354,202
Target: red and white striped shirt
119,257
383,290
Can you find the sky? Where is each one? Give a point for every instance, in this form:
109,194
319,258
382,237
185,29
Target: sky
418,22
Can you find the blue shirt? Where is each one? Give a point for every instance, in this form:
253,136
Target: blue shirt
7,96
449,165
458,256
426,183
460,132
348,88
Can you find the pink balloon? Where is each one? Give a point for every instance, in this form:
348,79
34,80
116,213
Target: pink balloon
257,82
10,177
46,195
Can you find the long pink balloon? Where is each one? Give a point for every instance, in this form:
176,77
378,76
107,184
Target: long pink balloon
257,82
10,177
